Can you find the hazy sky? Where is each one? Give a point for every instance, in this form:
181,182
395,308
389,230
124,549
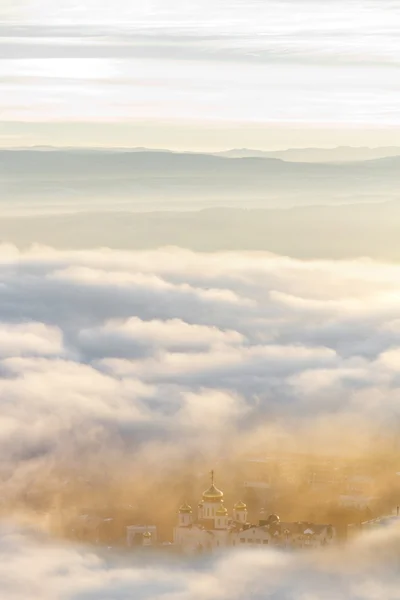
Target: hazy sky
205,74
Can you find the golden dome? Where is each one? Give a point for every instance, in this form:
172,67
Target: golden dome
147,535
185,509
213,494
222,511
240,506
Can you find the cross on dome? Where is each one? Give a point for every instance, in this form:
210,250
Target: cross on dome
213,494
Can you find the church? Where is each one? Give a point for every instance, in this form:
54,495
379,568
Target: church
215,528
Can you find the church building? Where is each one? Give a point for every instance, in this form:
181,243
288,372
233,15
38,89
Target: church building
213,528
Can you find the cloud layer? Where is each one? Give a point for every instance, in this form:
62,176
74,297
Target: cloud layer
32,567
116,361
165,340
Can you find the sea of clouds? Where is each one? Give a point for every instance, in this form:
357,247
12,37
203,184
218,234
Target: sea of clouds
174,343
109,356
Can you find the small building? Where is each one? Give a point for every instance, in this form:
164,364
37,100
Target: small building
141,535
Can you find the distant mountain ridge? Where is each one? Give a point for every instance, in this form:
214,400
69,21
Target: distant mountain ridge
160,180
43,161
303,155
317,155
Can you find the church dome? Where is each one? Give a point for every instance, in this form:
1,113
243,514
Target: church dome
273,520
213,494
222,511
240,506
185,509
147,535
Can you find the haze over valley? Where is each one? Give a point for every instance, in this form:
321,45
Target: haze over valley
150,199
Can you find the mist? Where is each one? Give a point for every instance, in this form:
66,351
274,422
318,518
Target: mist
128,376
367,569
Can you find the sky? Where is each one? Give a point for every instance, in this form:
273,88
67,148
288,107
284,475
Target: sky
200,75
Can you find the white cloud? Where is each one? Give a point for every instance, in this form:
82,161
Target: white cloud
204,412
134,334
127,343
34,567
30,339
223,362
390,359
